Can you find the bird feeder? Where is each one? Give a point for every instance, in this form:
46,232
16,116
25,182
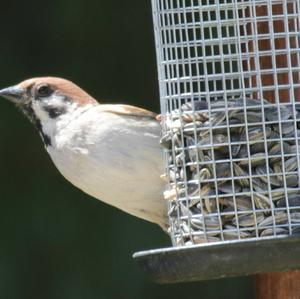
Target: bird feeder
229,80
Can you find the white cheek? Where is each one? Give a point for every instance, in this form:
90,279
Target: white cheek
41,114
50,125
54,100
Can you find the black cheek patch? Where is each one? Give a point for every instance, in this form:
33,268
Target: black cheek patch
55,112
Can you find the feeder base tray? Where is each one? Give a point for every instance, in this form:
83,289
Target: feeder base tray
220,260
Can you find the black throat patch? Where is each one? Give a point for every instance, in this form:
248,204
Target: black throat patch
28,111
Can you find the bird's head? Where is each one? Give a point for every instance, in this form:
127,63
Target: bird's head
47,100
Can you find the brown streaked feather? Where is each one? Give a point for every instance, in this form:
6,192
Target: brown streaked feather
127,110
63,86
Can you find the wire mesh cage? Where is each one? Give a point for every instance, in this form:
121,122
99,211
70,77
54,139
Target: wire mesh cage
229,87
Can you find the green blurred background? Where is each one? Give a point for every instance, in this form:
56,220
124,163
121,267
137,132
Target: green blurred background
57,242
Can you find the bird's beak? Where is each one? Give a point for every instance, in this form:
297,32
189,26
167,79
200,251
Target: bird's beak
14,94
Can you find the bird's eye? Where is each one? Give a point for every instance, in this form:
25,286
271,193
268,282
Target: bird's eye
44,90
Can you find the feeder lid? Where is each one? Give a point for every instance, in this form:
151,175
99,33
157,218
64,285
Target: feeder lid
220,260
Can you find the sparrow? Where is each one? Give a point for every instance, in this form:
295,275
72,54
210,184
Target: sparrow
110,152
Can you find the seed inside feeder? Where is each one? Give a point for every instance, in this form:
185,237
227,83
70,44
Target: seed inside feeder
235,168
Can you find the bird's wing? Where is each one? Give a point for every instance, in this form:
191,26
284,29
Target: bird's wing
127,110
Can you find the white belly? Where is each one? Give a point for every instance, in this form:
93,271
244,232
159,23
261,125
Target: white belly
115,159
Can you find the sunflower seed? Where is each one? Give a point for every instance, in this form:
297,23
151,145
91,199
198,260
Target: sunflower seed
274,232
248,219
220,177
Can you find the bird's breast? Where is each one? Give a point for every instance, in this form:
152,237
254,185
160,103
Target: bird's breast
114,158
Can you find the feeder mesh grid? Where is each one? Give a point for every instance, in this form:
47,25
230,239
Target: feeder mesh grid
229,88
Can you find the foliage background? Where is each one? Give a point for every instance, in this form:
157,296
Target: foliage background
57,242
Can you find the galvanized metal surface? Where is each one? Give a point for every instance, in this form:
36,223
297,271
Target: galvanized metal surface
219,260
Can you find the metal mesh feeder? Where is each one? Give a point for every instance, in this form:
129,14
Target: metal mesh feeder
230,89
